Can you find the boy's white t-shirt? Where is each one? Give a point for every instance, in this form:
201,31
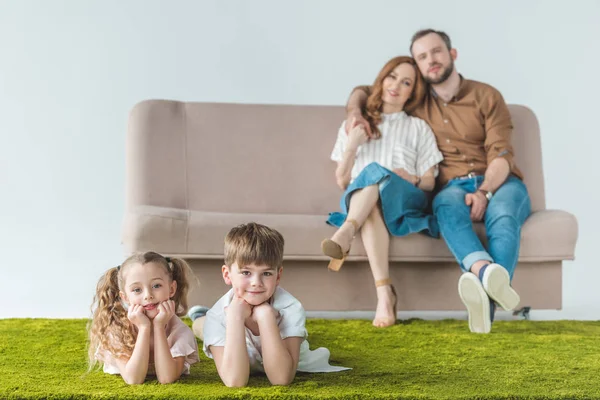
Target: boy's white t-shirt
291,322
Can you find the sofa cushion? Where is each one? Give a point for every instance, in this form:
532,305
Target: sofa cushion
546,235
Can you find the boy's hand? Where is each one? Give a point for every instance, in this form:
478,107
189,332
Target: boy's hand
264,312
137,316
166,310
238,308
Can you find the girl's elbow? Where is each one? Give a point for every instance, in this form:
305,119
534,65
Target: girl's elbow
282,380
235,383
133,381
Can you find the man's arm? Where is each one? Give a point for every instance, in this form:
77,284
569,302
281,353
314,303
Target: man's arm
498,131
356,103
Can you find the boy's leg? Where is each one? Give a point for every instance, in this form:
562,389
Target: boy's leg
198,326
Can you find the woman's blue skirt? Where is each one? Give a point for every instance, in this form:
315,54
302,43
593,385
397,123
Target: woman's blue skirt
403,205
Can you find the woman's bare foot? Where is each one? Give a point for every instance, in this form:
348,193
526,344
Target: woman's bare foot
384,314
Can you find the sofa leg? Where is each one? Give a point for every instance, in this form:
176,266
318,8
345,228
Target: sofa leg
522,312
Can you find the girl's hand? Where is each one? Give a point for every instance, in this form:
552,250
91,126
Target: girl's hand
263,311
357,136
137,316
166,310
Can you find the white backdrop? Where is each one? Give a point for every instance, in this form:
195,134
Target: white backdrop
70,71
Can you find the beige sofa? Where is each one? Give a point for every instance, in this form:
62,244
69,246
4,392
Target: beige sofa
194,170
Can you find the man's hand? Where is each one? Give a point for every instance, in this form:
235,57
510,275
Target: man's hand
355,118
166,310
478,203
137,316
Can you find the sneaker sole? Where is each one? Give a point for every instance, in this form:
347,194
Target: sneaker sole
476,301
496,282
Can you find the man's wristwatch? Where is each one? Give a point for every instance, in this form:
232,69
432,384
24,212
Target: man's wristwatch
488,195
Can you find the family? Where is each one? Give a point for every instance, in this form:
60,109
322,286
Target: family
421,131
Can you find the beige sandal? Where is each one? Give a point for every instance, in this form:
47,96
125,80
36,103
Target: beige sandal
385,282
334,250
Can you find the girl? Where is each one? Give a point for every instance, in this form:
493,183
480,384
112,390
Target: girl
134,329
384,178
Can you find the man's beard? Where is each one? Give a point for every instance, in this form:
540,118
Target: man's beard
443,77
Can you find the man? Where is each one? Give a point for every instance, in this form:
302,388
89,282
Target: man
478,178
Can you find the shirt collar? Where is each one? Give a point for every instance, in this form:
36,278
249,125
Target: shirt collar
459,94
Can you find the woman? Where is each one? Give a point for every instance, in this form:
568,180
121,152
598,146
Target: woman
384,178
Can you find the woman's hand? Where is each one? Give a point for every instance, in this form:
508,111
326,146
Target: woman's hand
401,172
354,119
166,310
357,137
137,316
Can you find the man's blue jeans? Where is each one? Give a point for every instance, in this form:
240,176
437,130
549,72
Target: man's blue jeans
507,210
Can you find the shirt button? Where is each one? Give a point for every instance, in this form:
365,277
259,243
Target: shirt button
445,121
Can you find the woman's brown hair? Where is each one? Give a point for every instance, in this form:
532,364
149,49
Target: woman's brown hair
374,106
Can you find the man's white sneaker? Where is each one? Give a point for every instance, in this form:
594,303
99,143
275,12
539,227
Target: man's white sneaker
496,283
477,302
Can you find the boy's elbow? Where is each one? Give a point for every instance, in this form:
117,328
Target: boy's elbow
166,380
282,382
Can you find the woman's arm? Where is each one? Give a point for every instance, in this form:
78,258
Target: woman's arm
427,182
343,172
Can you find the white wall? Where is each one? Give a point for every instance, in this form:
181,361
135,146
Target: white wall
71,70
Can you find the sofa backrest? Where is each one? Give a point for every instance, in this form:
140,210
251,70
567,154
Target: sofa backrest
253,158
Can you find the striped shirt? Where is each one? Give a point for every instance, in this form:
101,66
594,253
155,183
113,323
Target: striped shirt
406,142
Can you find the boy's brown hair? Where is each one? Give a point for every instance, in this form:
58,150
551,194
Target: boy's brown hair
254,243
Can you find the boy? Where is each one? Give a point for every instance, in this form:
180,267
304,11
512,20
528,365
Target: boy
257,325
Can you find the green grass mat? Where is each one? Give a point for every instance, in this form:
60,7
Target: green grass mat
46,359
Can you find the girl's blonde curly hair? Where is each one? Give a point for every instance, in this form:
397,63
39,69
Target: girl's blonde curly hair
110,329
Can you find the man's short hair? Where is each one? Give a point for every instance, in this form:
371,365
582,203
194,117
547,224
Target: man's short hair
425,32
254,243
